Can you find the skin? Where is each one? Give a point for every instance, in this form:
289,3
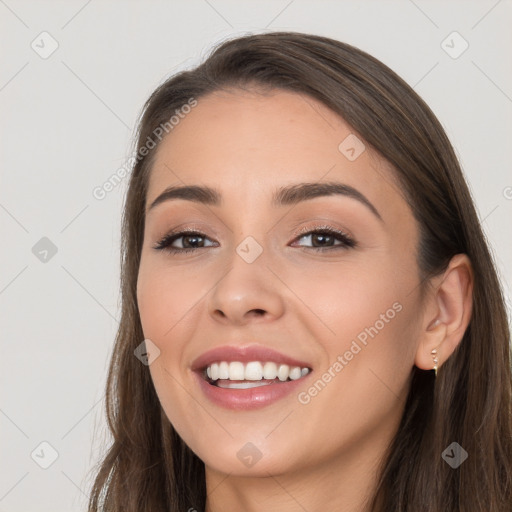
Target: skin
311,305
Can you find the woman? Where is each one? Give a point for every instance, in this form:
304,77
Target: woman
322,322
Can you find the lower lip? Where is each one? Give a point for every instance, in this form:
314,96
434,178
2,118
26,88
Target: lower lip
246,399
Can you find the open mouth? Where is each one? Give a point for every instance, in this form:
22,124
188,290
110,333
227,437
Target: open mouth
238,375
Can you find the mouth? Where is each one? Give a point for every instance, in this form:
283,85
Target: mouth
253,374
247,377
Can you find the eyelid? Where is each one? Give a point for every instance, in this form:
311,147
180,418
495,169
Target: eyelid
327,227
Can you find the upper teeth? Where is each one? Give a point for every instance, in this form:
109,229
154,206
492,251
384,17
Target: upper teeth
254,370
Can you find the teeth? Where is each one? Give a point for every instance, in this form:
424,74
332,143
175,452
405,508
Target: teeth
283,372
253,371
242,385
214,370
236,371
223,370
270,371
295,373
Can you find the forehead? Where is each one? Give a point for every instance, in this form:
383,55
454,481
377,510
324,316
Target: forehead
234,123
249,142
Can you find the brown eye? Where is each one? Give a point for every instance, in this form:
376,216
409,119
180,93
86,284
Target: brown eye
190,241
325,238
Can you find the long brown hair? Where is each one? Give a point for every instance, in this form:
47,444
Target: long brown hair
149,467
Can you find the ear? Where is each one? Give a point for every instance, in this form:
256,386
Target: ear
447,312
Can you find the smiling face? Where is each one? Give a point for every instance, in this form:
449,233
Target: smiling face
346,304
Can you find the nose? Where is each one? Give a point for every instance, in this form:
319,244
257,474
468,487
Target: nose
247,292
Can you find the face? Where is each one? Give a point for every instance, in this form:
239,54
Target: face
329,282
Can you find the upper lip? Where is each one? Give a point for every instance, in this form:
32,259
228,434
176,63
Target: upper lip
245,354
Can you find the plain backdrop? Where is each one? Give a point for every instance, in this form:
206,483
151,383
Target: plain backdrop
67,122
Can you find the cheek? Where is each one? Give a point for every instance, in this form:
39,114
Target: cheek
368,350
346,297
165,300
166,296
365,313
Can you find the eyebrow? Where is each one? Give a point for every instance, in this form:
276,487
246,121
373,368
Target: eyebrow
283,196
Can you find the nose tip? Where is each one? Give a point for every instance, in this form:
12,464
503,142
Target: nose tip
246,292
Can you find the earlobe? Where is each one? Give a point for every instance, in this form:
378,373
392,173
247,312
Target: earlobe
431,352
447,316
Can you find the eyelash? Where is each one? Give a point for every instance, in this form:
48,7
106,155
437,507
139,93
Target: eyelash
346,241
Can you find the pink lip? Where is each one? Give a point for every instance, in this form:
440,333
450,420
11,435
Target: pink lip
245,355
244,399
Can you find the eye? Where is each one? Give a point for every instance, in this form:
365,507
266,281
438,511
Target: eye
190,241
324,238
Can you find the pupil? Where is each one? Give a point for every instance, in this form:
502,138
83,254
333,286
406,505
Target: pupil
193,237
316,237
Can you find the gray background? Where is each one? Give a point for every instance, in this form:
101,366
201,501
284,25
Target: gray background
67,122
